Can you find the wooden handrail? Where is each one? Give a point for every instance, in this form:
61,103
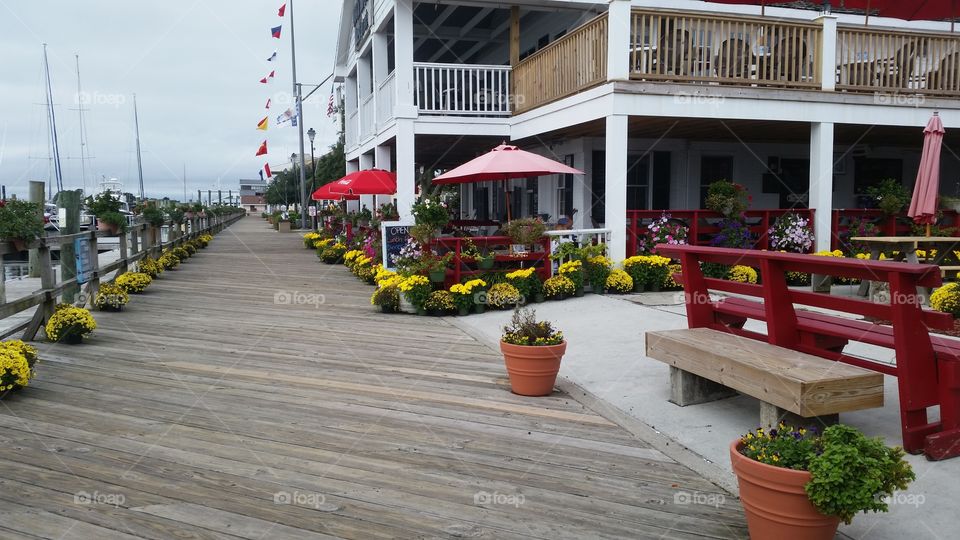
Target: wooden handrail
47,296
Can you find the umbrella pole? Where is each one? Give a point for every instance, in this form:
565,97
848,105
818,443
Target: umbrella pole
928,230
506,198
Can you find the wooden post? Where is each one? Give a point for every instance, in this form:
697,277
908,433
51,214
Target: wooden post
514,35
124,254
135,240
48,280
94,284
36,196
70,201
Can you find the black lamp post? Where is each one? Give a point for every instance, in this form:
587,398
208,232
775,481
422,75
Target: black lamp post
312,133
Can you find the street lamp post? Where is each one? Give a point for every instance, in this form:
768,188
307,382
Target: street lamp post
312,133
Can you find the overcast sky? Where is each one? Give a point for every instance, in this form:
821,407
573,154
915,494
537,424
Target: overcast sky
195,67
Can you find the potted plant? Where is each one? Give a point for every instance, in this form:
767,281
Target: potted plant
532,351
107,209
728,199
891,196
20,222
791,233
597,270
16,365
559,288
796,483
464,295
658,272
440,303
387,296
69,324
526,231
638,267
155,218
503,296
110,297
619,282
135,282
416,289
430,211
528,283
573,270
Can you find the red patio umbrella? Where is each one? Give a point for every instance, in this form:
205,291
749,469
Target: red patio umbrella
323,193
504,162
366,182
923,206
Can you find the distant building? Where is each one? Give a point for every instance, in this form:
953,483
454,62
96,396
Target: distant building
252,196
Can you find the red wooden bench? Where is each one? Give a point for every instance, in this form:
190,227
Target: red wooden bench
927,367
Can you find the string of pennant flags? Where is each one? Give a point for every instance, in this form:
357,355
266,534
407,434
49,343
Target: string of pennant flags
287,116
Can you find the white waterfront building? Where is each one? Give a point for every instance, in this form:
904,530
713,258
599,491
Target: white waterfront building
653,100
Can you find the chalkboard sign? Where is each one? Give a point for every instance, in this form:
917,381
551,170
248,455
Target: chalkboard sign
395,235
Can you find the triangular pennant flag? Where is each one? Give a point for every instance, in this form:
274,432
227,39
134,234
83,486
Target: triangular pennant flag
266,168
272,57
270,76
283,9
261,175
275,31
268,104
263,149
263,80
262,125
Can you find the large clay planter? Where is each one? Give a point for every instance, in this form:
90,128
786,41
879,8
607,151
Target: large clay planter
776,504
532,370
109,228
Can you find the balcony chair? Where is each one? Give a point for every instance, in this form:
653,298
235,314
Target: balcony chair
789,60
898,71
673,56
735,60
946,78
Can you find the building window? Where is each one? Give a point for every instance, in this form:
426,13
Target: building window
565,190
713,168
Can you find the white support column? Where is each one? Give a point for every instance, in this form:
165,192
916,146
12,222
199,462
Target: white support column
616,185
827,61
406,168
379,58
363,78
821,181
403,59
618,40
381,160
366,162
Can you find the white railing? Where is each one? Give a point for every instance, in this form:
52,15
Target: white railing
581,237
386,99
462,89
351,127
368,121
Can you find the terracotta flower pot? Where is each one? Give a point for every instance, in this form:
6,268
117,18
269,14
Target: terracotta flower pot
533,370
775,502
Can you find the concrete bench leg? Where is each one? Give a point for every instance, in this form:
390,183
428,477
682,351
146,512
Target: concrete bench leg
689,389
771,415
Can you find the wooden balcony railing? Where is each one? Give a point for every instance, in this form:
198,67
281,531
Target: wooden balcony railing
873,60
695,47
571,64
462,89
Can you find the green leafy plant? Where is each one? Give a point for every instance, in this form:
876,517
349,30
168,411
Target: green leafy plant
849,472
20,220
387,297
153,215
526,231
525,329
103,203
431,211
891,196
729,199
175,214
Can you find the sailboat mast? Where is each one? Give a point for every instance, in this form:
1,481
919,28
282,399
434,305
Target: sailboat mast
84,151
184,182
136,124
54,142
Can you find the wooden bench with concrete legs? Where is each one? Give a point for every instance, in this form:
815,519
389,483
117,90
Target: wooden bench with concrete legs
794,387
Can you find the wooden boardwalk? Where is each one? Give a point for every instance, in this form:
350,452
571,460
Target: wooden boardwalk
216,407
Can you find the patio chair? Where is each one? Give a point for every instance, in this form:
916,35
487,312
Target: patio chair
789,60
673,55
946,78
734,60
898,71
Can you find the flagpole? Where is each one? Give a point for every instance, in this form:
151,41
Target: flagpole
299,116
